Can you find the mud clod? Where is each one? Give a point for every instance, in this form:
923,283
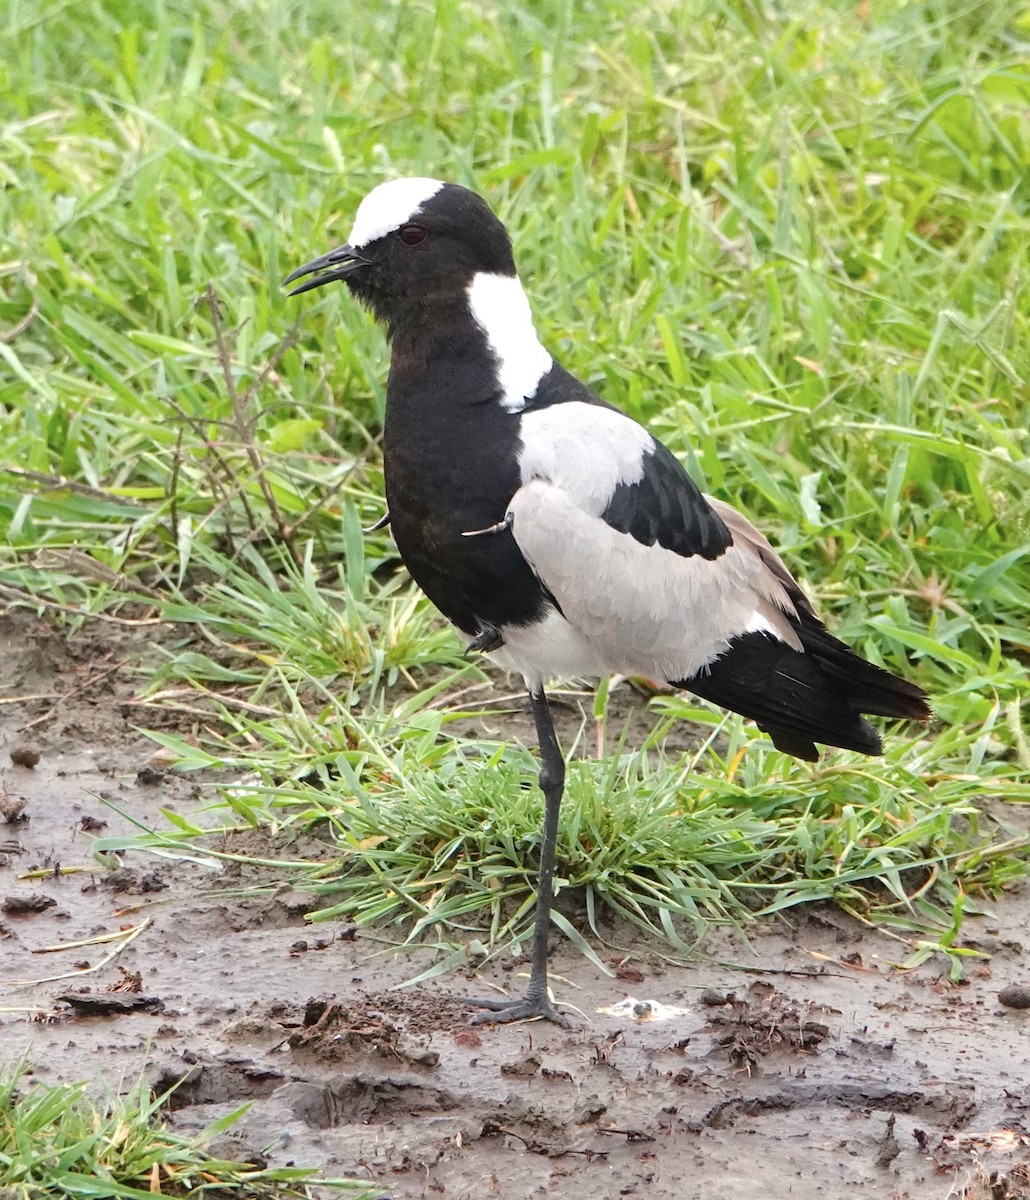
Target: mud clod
523,1067
25,754
12,809
591,1111
754,1029
135,883
295,904
711,998
332,1032
123,879
867,1048
889,1147
1016,995
23,906
114,1004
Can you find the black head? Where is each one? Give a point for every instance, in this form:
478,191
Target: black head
415,242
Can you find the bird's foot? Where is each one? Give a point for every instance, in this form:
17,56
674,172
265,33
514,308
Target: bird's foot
535,1005
489,638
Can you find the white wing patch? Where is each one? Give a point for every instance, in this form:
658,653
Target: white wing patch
389,206
759,623
585,450
500,308
642,610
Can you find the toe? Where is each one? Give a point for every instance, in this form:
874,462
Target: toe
527,1008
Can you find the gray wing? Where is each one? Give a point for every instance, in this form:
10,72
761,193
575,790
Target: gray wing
644,609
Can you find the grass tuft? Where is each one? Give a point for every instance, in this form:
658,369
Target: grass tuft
57,1142
440,836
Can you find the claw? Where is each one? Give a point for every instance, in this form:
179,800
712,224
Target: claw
382,523
489,638
500,527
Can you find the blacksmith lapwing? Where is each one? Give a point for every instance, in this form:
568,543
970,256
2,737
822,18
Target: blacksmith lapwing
557,534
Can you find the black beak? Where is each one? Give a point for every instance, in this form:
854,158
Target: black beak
337,264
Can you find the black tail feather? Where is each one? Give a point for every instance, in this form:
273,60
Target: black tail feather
870,689
800,698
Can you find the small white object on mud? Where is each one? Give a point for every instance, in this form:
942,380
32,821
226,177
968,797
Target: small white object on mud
643,1010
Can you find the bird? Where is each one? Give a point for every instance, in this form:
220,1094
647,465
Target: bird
557,534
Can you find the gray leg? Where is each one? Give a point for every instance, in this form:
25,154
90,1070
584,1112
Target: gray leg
535,1003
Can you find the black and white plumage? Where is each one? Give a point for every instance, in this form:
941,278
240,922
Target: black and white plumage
554,531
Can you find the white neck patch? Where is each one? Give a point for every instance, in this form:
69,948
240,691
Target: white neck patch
388,207
500,308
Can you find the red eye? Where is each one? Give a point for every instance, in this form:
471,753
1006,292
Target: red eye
412,235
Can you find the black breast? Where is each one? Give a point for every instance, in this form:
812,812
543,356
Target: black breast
451,467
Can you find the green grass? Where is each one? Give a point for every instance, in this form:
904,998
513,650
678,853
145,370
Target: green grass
439,837
57,1142
792,240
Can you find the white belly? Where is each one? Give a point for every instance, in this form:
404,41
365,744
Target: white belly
547,649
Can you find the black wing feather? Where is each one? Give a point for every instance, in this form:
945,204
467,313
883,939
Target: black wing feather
665,506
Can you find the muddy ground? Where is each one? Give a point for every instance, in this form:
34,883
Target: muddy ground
814,1070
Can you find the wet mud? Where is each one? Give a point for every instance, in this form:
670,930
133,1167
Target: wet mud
799,1063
